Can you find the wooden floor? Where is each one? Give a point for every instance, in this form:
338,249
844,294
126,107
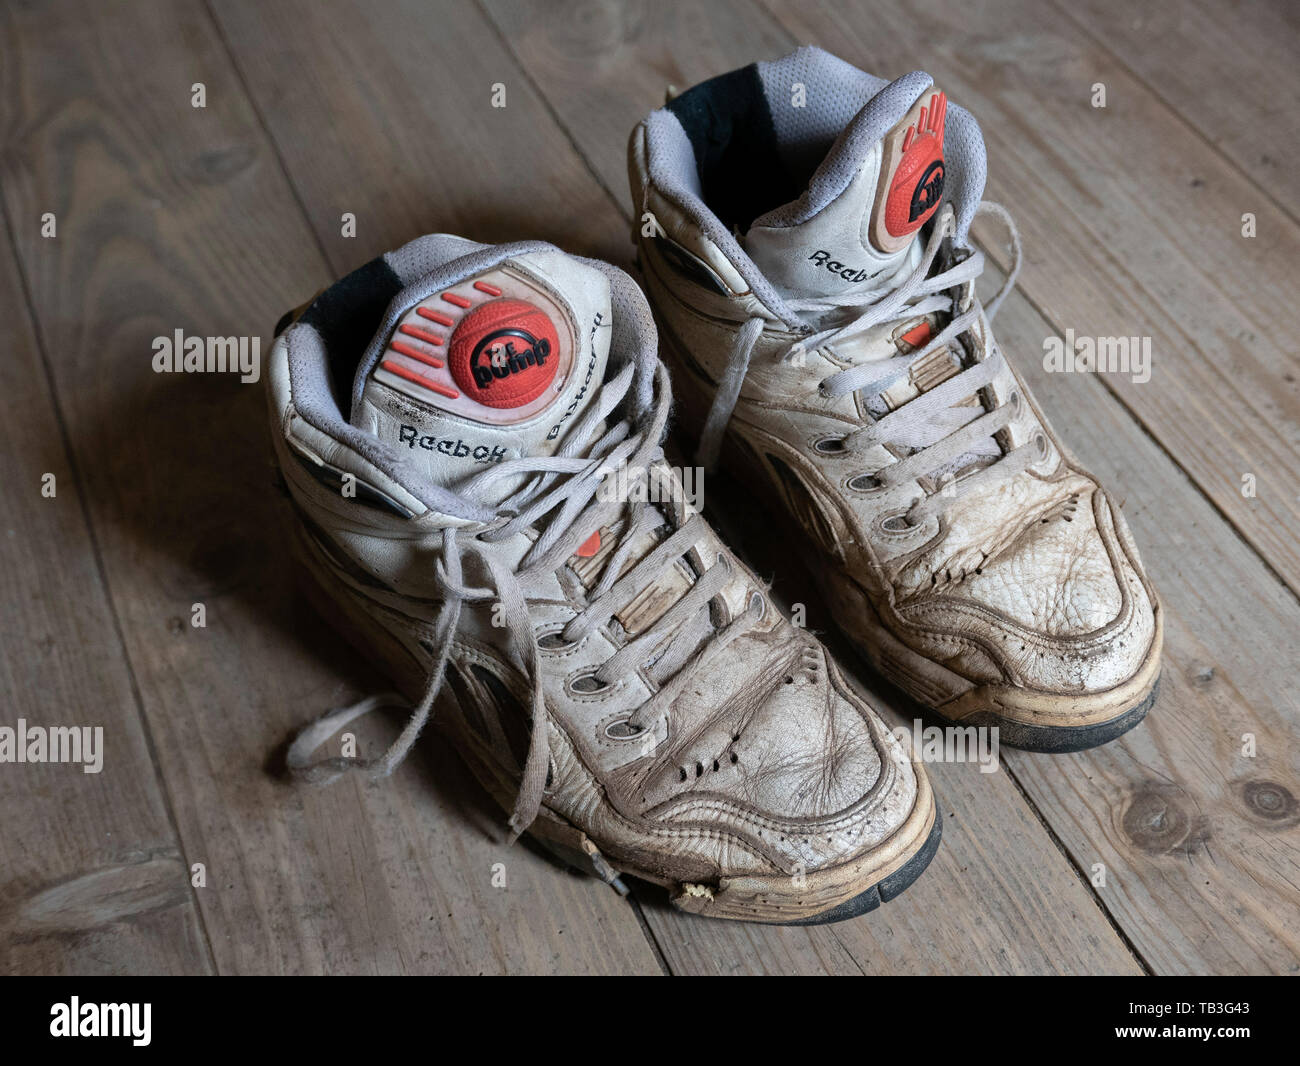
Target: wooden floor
1172,851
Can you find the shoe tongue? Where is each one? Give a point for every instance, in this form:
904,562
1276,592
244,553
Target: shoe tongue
496,366
857,222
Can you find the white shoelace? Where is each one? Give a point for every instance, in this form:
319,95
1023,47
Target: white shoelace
565,487
936,430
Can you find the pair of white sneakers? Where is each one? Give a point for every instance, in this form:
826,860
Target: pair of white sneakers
471,436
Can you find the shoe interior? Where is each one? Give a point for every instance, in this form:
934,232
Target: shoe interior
756,135
776,142
344,317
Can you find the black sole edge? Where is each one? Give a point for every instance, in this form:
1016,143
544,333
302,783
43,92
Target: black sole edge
1060,740
884,890
863,903
1046,740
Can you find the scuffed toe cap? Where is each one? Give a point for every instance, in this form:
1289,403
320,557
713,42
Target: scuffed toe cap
1058,578
1065,608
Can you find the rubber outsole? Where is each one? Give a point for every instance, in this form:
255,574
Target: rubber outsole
883,891
1045,740
591,863
863,903
1060,740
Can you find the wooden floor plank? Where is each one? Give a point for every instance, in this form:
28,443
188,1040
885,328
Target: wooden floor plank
92,876
413,144
1132,227
1201,842
999,897
1237,87
171,217
175,217
603,67
1188,829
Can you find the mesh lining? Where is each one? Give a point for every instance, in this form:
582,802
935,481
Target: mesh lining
852,143
737,155
835,90
634,337
345,314
671,164
426,254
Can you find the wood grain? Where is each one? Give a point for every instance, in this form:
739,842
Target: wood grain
387,112
92,876
1227,69
1201,843
216,220
172,217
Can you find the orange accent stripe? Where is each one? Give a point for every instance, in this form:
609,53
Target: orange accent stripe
434,316
483,286
917,335
420,334
452,298
417,355
410,375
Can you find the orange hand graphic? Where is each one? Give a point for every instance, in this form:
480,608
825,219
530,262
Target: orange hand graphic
929,123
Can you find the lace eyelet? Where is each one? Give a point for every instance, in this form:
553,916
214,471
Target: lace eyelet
1015,402
830,446
897,523
1040,444
622,729
866,484
554,641
588,685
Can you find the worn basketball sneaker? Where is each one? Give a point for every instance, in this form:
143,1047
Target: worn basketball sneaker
805,242
471,441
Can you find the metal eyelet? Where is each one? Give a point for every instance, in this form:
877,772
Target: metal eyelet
830,446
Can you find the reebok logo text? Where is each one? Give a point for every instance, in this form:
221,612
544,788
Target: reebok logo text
457,449
823,259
